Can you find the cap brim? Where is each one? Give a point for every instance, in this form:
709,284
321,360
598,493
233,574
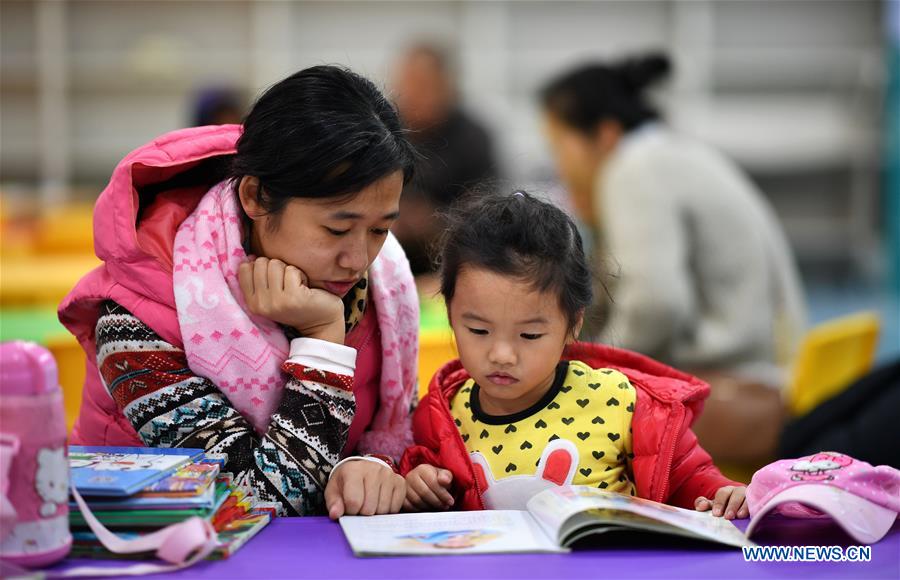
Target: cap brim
865,521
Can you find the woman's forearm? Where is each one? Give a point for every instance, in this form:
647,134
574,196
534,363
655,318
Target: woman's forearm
169,406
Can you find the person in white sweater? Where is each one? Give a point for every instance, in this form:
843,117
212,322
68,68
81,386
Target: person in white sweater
701,274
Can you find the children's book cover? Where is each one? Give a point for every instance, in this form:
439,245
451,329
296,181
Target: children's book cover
122,471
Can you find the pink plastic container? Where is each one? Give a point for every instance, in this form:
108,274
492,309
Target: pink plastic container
34,470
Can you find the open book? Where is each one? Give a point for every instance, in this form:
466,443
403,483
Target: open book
555,519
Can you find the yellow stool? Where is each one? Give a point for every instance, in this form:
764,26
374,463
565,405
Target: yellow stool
832,355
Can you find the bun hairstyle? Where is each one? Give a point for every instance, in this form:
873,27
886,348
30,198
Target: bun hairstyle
587,95
641,72
516,234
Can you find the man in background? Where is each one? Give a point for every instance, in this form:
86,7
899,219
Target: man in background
455,151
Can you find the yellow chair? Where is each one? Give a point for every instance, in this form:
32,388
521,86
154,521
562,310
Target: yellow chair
832,355
41,279
436,347
66,230
71,364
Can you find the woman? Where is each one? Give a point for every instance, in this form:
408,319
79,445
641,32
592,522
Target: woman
252,301
706,280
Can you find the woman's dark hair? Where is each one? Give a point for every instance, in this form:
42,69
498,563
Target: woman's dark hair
322,132
517,235
584,97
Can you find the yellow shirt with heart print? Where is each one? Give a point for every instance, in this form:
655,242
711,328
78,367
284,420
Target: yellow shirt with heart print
592,408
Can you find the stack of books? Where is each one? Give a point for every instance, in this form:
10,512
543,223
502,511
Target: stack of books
137,490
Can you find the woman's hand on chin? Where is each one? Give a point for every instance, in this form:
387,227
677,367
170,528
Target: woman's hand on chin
279,292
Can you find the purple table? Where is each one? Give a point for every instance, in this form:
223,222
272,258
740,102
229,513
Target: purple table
315,548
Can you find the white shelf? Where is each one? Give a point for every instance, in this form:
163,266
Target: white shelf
780,133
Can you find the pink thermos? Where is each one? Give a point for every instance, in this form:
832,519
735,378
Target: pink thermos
34,470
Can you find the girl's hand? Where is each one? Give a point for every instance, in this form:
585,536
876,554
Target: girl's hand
364,488
427,488
279,292
730,501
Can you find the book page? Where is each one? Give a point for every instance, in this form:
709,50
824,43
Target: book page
554,507
448,533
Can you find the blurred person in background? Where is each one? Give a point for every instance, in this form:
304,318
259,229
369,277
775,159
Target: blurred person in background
217,106
455,151
704,278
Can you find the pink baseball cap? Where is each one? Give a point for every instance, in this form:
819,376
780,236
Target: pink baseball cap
862,499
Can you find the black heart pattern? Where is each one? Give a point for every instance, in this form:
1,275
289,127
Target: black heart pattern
540,424
598,421
497,449
603,485
511,467
526,445
630,408
553,405
553,437
484,434
510,429
613,436
598,454
607,372
583,402
623,385
583,435
586,471
465,438
565,388
458,422
568,420
577,372
612,402
594,386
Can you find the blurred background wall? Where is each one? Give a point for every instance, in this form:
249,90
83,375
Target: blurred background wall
795,91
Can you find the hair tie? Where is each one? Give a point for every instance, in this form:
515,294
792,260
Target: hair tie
519,193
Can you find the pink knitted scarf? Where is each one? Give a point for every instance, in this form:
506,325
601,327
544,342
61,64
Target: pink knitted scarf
242,353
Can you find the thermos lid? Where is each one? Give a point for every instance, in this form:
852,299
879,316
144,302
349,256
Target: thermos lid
26,368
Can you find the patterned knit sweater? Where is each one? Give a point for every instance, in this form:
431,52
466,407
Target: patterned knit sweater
169,406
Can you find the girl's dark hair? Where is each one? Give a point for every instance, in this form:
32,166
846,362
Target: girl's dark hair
322,132
584,97
517,235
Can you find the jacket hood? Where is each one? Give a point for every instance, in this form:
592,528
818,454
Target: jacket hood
151,191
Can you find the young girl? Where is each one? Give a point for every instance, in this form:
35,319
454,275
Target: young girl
527,407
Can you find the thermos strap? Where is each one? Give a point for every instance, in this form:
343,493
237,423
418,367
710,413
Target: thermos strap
181,545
